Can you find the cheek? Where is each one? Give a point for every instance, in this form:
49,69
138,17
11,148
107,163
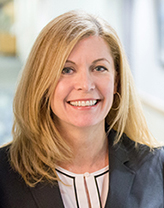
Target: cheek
60,90
108,87
60,94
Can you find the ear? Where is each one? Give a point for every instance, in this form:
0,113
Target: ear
116,83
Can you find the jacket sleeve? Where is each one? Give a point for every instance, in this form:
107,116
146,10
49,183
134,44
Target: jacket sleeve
13,191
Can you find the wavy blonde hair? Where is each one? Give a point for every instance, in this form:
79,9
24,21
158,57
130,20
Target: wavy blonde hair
37,145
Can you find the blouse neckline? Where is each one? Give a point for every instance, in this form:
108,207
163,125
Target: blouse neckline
73,188
96,173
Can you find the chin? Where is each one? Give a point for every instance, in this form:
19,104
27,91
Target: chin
86,124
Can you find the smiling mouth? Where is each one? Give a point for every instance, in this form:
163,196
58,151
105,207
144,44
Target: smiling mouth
83,103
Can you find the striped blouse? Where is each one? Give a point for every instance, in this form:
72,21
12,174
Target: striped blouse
77,188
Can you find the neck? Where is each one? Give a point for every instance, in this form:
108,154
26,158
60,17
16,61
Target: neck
89,146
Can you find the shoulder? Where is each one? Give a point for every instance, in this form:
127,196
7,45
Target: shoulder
137,155
4,149
4,157
7,173
12,186
140,153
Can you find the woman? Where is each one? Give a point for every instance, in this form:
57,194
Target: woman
79,136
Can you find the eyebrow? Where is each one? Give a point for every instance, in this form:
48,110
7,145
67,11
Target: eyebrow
94,62
101,59
68,61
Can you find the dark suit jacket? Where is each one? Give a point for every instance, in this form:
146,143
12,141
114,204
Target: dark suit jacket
135,180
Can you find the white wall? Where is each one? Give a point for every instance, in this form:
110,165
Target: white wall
148,71
33,15
25,24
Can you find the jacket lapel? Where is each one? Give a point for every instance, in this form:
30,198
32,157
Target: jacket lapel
120,181
47,195
120,178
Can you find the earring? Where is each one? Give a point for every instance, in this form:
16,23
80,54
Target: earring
116,101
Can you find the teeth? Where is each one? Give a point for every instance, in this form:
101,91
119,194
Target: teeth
84,103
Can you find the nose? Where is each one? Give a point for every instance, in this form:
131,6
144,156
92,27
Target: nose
85,81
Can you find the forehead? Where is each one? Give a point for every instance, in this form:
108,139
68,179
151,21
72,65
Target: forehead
91,47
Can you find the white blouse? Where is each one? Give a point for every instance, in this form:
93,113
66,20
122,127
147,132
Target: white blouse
73,188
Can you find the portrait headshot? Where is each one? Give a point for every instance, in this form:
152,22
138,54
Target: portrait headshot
79,136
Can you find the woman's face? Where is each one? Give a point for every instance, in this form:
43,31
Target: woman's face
84,93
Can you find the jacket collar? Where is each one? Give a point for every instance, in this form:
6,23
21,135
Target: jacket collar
47,195
121,174
120,179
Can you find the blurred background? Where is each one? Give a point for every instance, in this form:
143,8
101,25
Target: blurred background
139,24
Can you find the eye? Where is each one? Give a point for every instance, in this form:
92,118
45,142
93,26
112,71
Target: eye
100,69
67,70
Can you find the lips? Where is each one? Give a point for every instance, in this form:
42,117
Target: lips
83,103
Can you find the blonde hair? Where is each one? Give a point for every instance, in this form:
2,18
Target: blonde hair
37,145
